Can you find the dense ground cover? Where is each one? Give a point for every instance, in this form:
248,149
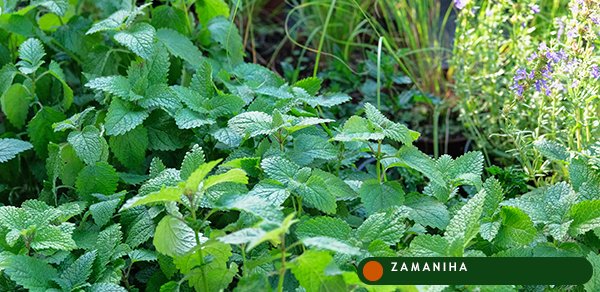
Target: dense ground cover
143,146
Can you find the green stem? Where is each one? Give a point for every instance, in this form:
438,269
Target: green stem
197,237
436,120
322,40
282,269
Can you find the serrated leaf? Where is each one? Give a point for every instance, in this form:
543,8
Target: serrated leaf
193,99
122,118
316,194
116,85
141,230
40,130
58,7
312,85
54,237
551,149
271,191
173,237
166,194
427,211
279,168
517,229
391,130
387,226
77,273
89,145
139,39
114,21
427,245
226,34
130,148
192,160
228,137
224,105
464,225
200,174
15,104
332,244
307,148
310,270
31,273
9,148
103,211
359,129
180,46
324,226
188,119
106,287
252,124
378,196
97,178
328,99
209,9
142,255
236,175
31,53
594,283
586,216
55,70
253,205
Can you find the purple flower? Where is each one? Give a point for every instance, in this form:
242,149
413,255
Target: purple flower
520,74
535,8
518,89
543,47
460,4
595,71
532,57
595,20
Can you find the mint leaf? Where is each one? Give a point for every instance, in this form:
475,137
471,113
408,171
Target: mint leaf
89,145
378,196
9,148
31,53
139,39
122,117
15,104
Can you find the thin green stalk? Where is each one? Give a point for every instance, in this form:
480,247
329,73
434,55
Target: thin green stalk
197,237
436,121
322,40
282,269
379,72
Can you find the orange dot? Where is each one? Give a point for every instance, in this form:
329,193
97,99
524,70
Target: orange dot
372,271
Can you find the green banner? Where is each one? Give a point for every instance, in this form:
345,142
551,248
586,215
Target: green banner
475,271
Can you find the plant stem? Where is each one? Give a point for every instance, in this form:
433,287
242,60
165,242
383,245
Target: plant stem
282,269
322,40
436,120
197,237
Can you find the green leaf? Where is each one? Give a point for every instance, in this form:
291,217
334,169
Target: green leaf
279,168
312,85
130,148
89,145
58,7
310,270
116,85
427,211
200,174
387,226
332,244
391,130
188,119
31,273
122,118
103,211
215,276
180,46
54,237
142,255
251,204
552,150
192,98
209,9
226,34
586,216
324,226
192,160
106,243
252,124
31,53
162,134
271,191
328,99
594,283
97,178
7,75
113,22
9,148
173,237
549,206
316,194
464,226
517,229
15,104
106,287
359,129
141,230
202,82
378,196
427,245
40,130
308,148
77,274
139,39
55,70
225,105
236,175
166,194
415,159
